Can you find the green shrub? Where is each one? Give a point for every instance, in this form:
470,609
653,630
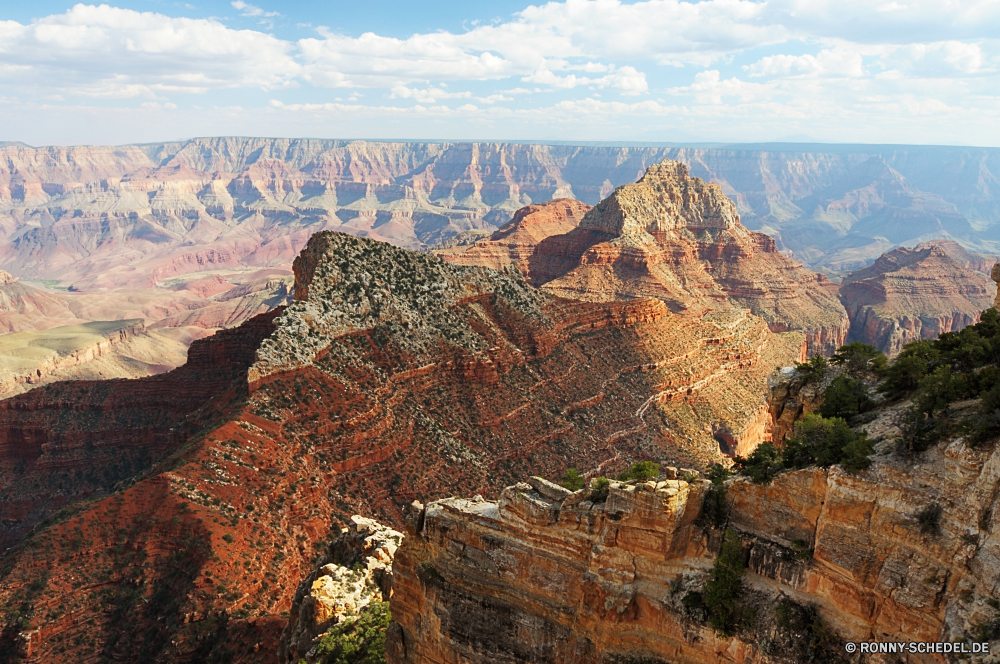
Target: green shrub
762,464
858,358
694,606
813,368
599,489
806,632
845,397
919,431
359,642
938,389
823,442
715,501
929,519
912,364
724,591
572,479
642,471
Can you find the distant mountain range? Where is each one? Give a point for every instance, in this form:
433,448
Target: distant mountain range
105,217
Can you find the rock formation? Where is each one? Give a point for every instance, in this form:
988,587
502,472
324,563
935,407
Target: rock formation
356,571
995,276
910,294
123,226
515,242
678,239
393,376
546,578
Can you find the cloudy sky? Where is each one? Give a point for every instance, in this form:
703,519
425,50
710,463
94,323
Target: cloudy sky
871,71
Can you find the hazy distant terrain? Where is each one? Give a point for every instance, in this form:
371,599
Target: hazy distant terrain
200,235
107,217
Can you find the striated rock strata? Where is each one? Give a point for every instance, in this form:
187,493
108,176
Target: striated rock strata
516,241
542,577
394,376
679,239
910,294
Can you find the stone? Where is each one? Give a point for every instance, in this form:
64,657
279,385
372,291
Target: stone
911,294
549,489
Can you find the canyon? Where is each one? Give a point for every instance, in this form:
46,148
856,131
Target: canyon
180,516
199,235
911,294
674,238
195,501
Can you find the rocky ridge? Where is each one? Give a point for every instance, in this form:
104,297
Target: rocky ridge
678,239
910,294
347,412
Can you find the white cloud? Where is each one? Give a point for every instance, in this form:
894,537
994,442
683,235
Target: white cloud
710,88
837,62
251,10
426,96
110,52
626,79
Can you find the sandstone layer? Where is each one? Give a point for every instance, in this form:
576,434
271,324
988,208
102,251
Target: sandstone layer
394,376
118,226
680,240
910,294
356,571
515,242
553,578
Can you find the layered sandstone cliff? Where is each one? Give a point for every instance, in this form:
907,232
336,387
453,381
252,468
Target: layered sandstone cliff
394,376
515,242
680,240
547,577
910,294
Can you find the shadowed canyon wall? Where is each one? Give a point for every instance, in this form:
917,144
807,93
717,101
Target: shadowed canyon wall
395,376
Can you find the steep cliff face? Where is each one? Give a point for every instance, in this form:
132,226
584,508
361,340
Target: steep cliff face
679,239
70,441
910,294
543,577
515,242
396,376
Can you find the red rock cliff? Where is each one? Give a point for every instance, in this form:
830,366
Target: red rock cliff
545,576
910,294
395,376
679,239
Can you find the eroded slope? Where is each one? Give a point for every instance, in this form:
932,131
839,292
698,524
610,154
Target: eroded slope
393,376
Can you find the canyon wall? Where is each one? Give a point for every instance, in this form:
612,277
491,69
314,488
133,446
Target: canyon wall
911,294
254,202
675,238
396,376
544,576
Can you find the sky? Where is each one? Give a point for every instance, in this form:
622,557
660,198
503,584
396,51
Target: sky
850,71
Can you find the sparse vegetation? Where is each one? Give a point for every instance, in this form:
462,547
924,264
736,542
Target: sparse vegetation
642,471
724,591
715,501
860,359
599,489
572,479
846,397
813,368
929,519
360,641
817,441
